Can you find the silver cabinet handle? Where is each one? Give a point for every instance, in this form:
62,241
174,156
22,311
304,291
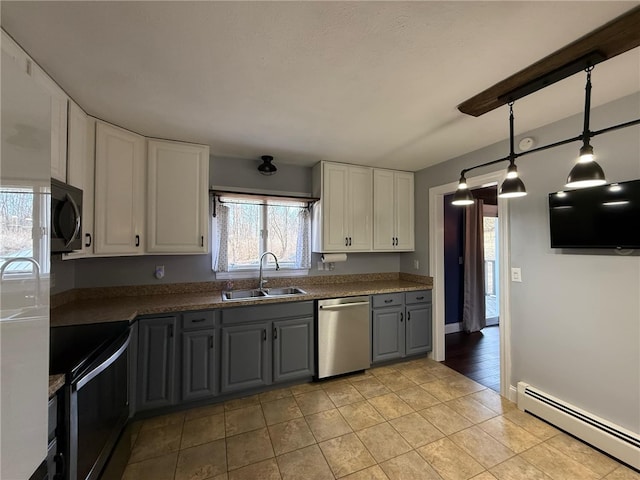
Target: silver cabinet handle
90,240
137,240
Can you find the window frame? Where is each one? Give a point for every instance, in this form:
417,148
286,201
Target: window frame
287,269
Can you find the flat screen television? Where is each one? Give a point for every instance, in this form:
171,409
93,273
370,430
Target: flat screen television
607,216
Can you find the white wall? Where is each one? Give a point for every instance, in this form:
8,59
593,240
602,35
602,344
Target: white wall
576,315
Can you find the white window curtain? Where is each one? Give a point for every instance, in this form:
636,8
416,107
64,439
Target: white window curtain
303,247
219,235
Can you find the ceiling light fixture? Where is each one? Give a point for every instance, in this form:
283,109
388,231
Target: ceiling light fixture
266,167
512,186
586,172
463,195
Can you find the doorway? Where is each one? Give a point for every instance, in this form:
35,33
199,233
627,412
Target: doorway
472,288
501,265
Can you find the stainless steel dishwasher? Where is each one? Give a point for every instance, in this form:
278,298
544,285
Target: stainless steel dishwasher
343,335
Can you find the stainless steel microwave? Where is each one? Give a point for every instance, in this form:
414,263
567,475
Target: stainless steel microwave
66,217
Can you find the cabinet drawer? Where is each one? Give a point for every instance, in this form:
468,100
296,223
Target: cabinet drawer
53,418
387,300
421,296
193,320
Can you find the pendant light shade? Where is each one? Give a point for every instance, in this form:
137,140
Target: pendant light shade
266,167
463,195
511,188
587,172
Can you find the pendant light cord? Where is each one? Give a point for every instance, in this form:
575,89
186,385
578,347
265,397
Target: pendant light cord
512,153
586,134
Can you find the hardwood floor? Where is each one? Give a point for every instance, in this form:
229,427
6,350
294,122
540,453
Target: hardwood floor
476,355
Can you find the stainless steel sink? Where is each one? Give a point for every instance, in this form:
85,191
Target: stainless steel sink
242,294
257,294
285,291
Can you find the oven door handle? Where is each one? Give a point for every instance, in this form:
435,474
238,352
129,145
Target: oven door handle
104,365
76,213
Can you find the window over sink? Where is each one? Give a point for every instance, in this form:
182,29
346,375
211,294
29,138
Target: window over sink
245,227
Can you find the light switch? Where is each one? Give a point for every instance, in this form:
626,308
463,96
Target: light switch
516,275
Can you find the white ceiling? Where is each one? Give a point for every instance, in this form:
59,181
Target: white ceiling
374,83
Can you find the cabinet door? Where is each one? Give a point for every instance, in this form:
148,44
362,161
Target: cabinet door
245,356
404,208
388,334
360,199
383,210
177,197
418,337
293,349
156,362
58,123
335,207
80,171
119,188
198,364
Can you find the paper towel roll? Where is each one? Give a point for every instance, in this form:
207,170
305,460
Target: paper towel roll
334,257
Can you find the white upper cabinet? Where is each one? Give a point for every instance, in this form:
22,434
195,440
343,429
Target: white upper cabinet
58,123
393,211
177,197
119,191
342,218
80,171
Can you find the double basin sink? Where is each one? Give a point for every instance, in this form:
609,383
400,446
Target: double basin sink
257,294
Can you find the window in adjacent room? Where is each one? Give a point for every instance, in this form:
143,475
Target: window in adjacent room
244,228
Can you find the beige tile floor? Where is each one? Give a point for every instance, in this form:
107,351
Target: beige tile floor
411,421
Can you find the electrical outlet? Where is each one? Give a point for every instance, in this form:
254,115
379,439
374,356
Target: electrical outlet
516,275
416,264
159,273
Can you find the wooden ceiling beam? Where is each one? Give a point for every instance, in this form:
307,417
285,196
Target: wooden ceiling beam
618,36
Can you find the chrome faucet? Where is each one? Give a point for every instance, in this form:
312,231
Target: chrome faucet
262,281
36,270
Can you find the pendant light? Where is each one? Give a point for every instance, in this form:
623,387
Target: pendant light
512,186
463,195
586,172
266,167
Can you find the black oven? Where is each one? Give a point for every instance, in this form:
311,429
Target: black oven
94,359
66,217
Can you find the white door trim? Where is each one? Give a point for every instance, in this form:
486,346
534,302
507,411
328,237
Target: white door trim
436,270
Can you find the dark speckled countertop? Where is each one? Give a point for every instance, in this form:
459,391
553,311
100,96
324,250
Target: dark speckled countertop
55,383
124,307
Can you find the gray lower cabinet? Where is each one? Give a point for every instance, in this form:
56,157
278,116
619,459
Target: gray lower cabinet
245,356
156,362
400,325
418,329
266,344
198,364
388,333
292,349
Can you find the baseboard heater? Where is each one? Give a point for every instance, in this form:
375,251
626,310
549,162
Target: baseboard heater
606,436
